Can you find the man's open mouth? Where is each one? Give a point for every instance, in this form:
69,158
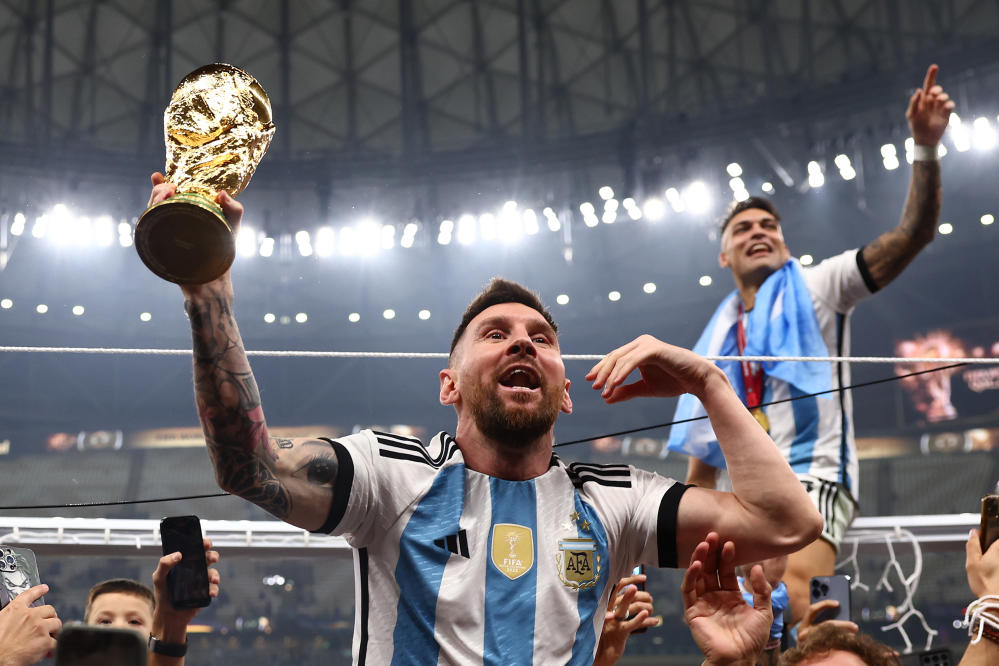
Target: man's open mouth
523,377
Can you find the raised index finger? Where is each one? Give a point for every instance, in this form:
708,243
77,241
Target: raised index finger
931,77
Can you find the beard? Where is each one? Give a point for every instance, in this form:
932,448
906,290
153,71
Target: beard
518,426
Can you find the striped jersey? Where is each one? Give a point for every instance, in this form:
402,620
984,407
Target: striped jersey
816,434
456,567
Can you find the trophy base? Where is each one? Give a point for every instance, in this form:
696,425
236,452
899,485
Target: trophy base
185,239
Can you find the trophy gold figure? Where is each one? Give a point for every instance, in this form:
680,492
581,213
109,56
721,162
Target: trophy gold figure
217,128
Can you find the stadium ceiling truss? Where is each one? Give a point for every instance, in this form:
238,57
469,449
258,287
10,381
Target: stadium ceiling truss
382,86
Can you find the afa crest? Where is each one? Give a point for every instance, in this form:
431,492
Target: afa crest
578,563
513,549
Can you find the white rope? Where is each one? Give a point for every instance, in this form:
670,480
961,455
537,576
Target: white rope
440,355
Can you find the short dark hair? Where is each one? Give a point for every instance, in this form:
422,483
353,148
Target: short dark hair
496,292
120,585
826,638
751,202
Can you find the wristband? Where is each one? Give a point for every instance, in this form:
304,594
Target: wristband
167,649
925,153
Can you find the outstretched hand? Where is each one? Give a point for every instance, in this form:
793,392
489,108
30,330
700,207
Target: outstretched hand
929,111
724,626
166,615
666,371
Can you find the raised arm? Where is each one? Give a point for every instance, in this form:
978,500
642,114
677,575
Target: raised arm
289,478
768,512
888,255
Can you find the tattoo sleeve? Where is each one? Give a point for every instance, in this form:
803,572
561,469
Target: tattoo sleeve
229,407
888,255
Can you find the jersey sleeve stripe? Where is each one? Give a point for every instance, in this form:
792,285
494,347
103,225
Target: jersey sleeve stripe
341,488
666,525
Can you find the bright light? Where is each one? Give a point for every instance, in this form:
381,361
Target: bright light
466,230
741,195
389,314
815,177
889,156
945,228
806,259
609,217
675,200
124,234
269,318
145,316
987,219
409,234
325,241
649,287
841,161
530,222
734,169
81,232
768,187
17,226
388,236
848,173
611,204
697,197
614,296
634,212
6,304
267,247
302,237
369,237
444,232
78,310
509,226
704,281
104,231
246,242
487,226
552,218
959,134
424,314
590,220
586,208
301,317
348,245
606,192
562,299
353,317
654,209
984,136
41,308
737,184
305,250
40,227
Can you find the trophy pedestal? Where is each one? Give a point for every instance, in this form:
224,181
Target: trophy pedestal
185,239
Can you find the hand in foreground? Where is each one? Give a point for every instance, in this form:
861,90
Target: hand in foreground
27,634
666,371
929,111
724,626
628,610
808,624
982,568
169,622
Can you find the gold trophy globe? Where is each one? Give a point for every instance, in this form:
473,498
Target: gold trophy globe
217,128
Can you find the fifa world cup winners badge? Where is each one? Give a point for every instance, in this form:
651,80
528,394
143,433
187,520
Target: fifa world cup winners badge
217,128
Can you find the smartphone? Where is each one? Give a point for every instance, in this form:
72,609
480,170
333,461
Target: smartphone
832,587
188,580
18,572
988,531
89,645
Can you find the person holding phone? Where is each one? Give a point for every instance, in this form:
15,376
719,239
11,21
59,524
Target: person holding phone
628,611
28,633
780,308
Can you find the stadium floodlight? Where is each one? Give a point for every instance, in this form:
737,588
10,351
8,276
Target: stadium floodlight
354,317
367,237
767,187
78,310
444,232
6,303
41,308
269,318
959,134
675,200
487,226
983,134
389,313
424,315
889,156
606,192
734,169
806,259
266,247
305,249
145,316
737,184
17,225
741,195
815,177
614,296
302,237
551,217
609,217
562,299
104,231
945,228
586,208
590,220
301,317
40,227
654,209
325,241
509,226
467,231
704,281
347,241
388,236
611,204
530,220
246,241
987,219
124,234
841,161
697,197
649,287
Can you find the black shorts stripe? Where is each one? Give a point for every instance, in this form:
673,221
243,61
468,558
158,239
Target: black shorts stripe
341,486
669,506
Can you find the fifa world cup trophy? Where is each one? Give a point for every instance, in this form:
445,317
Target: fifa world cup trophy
217,128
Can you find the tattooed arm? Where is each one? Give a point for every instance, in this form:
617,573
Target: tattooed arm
889,254
290,478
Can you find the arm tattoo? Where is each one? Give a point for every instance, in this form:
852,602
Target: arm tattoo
229,407
320,470
889,254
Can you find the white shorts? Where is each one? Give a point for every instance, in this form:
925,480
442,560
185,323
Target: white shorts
836,505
